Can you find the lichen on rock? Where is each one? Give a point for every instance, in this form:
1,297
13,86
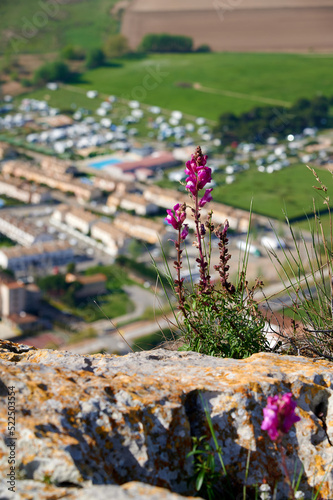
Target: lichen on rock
108,420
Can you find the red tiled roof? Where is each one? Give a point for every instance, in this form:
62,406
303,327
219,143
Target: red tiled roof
149,161
94,278
43,340
21,319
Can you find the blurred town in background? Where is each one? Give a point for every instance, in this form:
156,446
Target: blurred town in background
93,143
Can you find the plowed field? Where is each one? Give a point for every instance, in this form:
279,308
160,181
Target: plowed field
236,25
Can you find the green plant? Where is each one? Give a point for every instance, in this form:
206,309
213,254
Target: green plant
205,474
95,58
47,479
25,82
203,48
208,481
72,53
218,319
306,274
56,71
279,416
163,42
204,467
116,46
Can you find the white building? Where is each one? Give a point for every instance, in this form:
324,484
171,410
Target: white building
112,237
60,212
13,298
23,191
22,232
80,219
138,204
40,256
140,228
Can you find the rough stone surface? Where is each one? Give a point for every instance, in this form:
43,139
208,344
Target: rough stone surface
32,490
109,420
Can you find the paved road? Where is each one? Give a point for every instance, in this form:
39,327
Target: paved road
142,300
108,336
113,340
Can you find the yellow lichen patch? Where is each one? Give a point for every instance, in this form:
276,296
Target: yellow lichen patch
320,465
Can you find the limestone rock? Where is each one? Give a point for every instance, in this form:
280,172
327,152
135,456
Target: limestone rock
110,419
32,490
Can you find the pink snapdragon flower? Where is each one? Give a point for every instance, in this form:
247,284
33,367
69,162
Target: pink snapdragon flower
176,217
184,232
206,198
279,415
198,174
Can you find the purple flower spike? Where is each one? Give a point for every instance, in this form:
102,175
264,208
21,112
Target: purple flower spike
279,415
206,198
176,217
198,174
184,232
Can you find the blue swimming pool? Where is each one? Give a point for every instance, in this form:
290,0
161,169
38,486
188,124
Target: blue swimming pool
104,163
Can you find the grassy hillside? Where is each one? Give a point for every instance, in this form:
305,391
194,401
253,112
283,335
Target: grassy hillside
78,22
230,82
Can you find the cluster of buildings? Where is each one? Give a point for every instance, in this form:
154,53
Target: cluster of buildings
131,202
129,169
23,231
308,148
53,179
116,234
40,256
20,303
109,128
23,191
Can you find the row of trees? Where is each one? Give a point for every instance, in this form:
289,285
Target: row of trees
260,123
163,42
114,46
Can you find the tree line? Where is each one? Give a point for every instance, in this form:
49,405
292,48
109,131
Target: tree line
260,123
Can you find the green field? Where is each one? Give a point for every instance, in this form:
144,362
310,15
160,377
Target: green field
241,81
281,77
288,190
84,23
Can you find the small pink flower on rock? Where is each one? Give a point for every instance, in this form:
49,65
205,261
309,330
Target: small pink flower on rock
279,415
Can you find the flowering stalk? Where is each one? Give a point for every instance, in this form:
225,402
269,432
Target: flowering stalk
176,217
223,266
215,322
279,416
198,176
285,469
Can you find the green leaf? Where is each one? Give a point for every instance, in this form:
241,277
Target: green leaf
200,480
